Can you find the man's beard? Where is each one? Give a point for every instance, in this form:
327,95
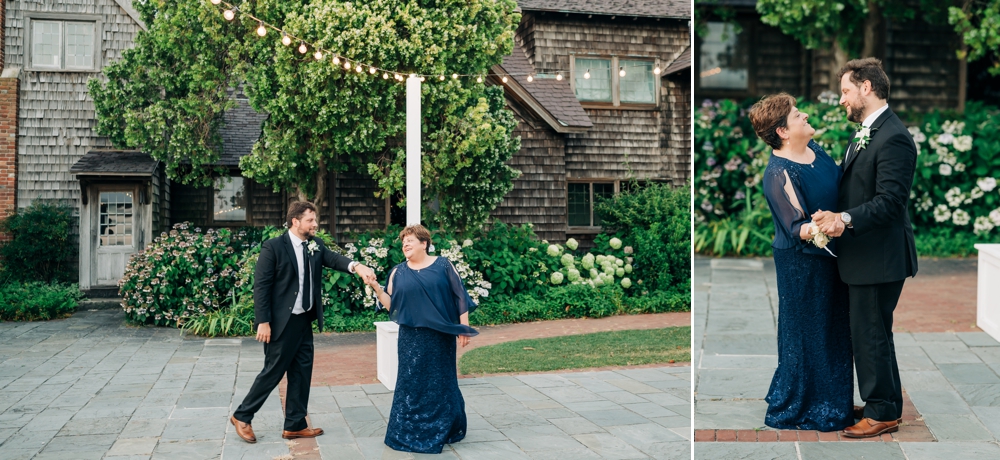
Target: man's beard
856,111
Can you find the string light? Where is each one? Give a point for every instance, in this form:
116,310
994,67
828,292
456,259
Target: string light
657,70
385,76
347,65
336,60
216,2
479,79
421,79
504,79
530,79
621,71
372,70
318,55
285,39
229,14
358,69
441,78
302,48
454,76
559,76
586,75
261,30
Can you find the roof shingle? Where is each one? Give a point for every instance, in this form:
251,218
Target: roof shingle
114,163
680,9
682,62
554,96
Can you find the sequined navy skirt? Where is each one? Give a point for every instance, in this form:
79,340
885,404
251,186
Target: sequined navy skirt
813,387
428,410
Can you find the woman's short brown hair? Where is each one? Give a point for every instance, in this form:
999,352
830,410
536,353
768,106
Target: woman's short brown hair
769,114
419,232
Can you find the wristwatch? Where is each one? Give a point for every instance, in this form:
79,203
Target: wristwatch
846,219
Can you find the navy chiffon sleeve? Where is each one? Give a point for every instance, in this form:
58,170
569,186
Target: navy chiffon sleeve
788,219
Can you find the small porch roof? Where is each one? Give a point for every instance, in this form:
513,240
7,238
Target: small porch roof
114,163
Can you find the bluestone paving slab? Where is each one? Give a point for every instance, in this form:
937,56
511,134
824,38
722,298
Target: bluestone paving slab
977,373
609,446
980,395
965,427
854,450
949,450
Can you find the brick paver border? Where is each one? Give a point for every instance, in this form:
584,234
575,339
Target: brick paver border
911,429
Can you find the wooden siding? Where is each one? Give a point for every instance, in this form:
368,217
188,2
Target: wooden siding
778,62
357,208
622,143
56,115
190,204
539,195
675,128
922,66
267,207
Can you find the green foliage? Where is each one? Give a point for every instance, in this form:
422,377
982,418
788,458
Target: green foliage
655,221
618,348
41,247
942,242
167,95
978,23
512,259
34,301
183,273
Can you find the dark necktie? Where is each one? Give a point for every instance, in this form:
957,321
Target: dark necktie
307,284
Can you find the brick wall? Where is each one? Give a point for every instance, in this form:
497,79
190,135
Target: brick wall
8,145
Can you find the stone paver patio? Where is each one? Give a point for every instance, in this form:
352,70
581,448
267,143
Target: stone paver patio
91,387
951,376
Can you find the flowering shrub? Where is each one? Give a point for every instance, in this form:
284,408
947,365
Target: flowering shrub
183,273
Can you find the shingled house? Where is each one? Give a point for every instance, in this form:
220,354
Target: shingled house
918,57
594,116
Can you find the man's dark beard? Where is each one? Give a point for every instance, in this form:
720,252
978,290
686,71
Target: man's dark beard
854,114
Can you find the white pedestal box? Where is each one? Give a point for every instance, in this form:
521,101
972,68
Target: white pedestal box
988,302
387,333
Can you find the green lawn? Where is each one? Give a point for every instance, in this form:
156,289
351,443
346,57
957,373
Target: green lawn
620,348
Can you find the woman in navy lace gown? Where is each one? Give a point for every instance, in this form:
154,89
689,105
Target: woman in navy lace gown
813,386
425,296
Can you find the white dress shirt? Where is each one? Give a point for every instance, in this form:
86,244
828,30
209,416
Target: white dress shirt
297,245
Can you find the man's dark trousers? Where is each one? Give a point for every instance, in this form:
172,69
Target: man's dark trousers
871,309
292,352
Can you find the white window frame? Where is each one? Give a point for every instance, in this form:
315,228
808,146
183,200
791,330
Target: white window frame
615,82
213,195
29,18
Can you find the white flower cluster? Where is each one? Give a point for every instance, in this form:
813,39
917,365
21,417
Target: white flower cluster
593,270
474,282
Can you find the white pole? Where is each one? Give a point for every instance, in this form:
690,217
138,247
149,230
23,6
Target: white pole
412,150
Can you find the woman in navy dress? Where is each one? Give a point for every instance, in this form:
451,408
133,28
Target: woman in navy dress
813,386
425,296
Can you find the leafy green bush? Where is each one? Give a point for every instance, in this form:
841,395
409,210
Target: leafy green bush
41,247
37,300
183,273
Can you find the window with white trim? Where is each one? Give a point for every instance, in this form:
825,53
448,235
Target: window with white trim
63,45
230,198
615,81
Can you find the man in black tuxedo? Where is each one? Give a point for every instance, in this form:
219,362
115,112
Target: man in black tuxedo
287,299
876,248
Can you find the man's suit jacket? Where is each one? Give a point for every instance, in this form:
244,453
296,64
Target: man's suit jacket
875,191
276,281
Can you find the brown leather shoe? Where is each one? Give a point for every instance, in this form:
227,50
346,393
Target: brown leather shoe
859,412
306,433
867,428
243,430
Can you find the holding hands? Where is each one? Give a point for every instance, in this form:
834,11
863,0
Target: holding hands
829,223
367,275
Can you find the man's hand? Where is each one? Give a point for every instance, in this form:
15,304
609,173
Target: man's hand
264,332
829,223
367,275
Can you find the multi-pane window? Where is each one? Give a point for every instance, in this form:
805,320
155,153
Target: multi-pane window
581,200
63,45
724,62
615,81
116,224
230,200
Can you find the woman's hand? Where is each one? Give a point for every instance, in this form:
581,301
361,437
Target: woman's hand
463,340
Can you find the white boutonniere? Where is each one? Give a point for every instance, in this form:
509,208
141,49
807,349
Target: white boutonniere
863,137
312,247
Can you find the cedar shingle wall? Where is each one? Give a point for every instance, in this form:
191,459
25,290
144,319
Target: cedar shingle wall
675,127
622,142
777,62
56,115
357,208
922,66
539,195
189,204
266,206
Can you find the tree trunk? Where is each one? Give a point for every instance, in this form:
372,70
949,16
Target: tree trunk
299,192
872,33
839,61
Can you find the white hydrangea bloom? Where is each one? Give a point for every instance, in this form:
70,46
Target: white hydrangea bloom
960,217
918,136
944,169
982,225
963,143
976,193
954,197
942,213
959,167
924,203
987,184
945,138
995,216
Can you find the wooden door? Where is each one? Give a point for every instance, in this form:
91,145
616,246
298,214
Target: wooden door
117,226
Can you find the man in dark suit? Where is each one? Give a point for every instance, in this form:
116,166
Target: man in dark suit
287,299
876,248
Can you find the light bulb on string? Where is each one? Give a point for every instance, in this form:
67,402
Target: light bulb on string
358,68
229,14
385,76
559,76
657,70
441,77
372,70
347,65
318,55
285,39
216,2
504,79
336,60
261,30
479,79
302,48
621,71
421,79
530,79
454,76
586,75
